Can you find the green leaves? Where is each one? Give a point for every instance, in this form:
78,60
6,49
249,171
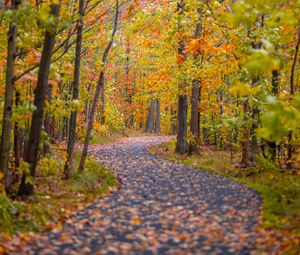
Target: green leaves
260,62
279,118
244,13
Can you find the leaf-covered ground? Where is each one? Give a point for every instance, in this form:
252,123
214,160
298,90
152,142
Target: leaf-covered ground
161,208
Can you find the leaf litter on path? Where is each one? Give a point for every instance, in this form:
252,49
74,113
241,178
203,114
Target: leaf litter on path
161,208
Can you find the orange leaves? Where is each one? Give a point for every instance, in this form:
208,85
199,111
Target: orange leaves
229,48
148,42
194,46
2,250
180,59
33,57
135,222
212,46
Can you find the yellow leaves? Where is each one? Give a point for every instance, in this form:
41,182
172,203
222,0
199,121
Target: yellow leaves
54,1
101,129
244,89
148,42
44,12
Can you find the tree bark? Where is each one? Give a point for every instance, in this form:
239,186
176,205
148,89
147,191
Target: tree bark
47,120
17,136
173,122
157,116
103,104
292,92
195,100
128,89
26,188
245,142
99,86
275,88
91,122
182,144
68,169
254,148
150,119
8,101
292,86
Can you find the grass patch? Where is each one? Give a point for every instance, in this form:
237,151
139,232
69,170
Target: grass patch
105,137
280,190
55,199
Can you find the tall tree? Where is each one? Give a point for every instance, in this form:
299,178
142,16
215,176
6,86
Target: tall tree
27,188
151,116
157,116
72,129
275,90
100,84
292,92
9,93
195,99
182,143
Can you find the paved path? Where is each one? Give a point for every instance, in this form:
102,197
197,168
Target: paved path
161,208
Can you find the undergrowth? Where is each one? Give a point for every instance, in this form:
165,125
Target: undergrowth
55,199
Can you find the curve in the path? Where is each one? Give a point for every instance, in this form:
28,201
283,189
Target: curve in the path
161,208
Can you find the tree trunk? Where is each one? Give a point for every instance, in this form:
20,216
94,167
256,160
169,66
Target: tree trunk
99,86
150,119
254,148
292,91
47,121
157,116
17,136
205,136
195,117
26,188
103,104
87,106
173,122
195,100
91,122
182,144
275,87
68,169
8,101
245,142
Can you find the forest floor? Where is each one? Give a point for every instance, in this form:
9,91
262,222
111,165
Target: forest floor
161,207
279,189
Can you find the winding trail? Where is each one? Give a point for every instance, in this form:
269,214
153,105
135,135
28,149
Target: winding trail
161,208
